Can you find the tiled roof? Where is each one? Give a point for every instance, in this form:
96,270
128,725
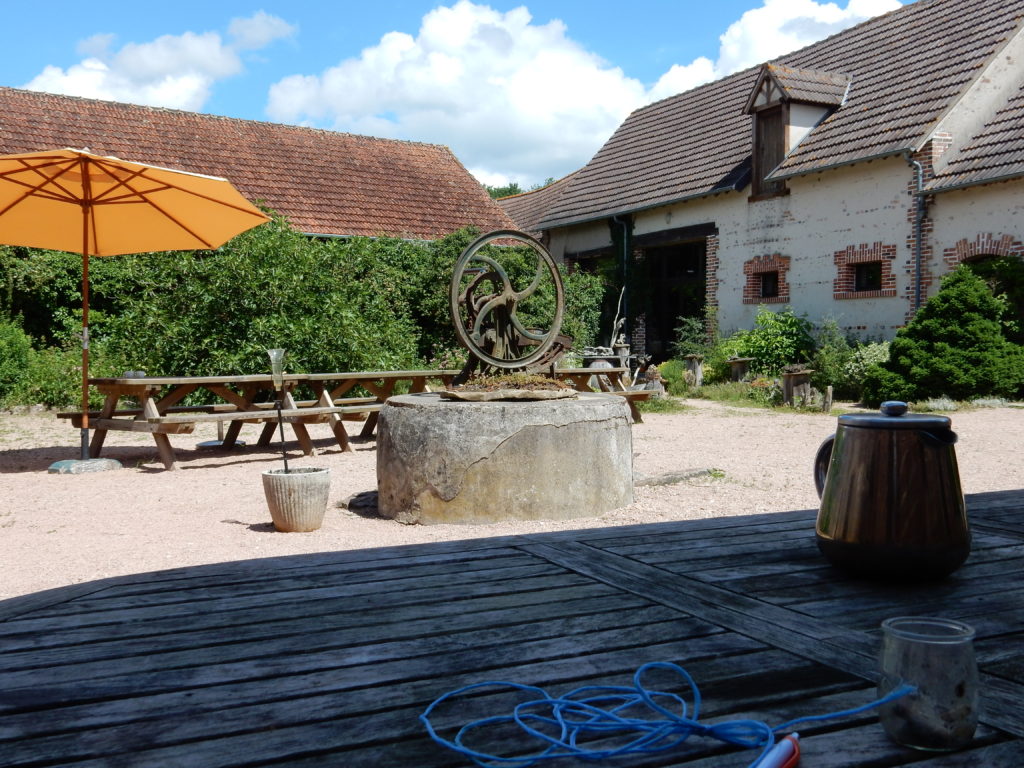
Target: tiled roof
996,152
810,85
527,209
324,182
906,68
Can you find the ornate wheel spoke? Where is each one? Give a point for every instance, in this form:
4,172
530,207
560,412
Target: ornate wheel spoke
486,317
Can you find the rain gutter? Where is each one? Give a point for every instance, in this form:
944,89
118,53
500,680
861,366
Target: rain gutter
626,250
919,214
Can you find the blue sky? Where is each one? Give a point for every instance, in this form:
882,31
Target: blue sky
520,91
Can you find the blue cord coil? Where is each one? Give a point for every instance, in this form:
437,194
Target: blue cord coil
559,725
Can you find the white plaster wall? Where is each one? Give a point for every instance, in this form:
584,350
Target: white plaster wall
802,118
583,237
822,214
825,213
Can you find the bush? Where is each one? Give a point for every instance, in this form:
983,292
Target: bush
778,339
953,347
716,359
673,373
15,347
691,337
830,360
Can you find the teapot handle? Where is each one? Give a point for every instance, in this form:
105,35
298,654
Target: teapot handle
821,462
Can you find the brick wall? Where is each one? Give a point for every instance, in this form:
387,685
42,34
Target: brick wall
986,244
711,282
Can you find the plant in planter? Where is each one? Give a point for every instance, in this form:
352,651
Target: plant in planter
297,497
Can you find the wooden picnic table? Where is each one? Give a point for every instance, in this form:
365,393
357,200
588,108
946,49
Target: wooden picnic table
153,404
329,659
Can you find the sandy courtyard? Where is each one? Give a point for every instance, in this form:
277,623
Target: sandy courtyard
64,529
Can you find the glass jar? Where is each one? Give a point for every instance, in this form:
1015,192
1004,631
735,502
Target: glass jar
936,656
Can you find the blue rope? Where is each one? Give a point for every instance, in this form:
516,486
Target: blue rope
559,724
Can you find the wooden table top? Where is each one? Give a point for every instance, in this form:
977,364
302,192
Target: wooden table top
251,378
329,659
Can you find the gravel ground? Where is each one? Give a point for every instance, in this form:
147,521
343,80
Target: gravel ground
65,529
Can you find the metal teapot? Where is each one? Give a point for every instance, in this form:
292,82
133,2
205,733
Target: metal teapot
891,502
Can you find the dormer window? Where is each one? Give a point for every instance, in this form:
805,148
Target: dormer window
786,105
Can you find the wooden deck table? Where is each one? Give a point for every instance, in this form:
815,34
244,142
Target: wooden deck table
329,659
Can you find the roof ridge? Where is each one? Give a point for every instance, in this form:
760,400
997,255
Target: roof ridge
212,116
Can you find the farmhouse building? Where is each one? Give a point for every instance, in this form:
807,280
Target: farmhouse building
324,182
843,180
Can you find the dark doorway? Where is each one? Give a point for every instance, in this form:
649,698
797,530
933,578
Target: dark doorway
675,277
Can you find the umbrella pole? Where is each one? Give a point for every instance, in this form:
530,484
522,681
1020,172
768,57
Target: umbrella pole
85,358
85,326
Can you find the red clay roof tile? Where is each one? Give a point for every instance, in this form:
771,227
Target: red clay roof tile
324,182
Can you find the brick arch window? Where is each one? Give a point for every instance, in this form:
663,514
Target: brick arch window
766,280
864,272
982,245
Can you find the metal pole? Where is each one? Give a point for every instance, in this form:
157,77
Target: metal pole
280,423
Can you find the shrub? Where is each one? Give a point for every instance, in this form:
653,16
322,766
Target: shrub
831,357
716,359
778,339
691,337
953,347
15,347
674,372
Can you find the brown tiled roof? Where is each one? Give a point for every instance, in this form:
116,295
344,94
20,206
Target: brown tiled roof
527,209
996,153
810,85
324,182
906,68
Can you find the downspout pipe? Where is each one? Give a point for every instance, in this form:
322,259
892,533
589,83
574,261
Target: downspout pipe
623,222
919,214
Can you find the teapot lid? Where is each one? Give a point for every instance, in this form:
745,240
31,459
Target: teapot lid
894,415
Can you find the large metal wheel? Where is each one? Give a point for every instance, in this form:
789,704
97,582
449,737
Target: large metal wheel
487,298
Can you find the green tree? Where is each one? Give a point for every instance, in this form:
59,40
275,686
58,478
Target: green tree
955,346
512,188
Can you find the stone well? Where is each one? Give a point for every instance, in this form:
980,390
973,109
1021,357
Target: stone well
444,461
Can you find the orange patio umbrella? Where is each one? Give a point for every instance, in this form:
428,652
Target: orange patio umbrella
72,200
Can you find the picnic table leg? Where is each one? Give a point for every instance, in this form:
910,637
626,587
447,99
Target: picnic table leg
301,433
163,447
99,435
637,419
337,427
267,434
382,393
163,443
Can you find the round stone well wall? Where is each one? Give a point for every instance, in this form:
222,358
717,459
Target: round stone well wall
445,461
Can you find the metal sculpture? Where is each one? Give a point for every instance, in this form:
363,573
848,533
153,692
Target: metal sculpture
486,303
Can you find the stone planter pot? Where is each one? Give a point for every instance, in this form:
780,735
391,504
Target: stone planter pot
298,499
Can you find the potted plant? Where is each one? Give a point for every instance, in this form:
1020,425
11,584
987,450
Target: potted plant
297,496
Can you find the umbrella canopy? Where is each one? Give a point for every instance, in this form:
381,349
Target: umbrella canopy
72,200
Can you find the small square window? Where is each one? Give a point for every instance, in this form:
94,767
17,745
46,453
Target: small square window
867,276
769,285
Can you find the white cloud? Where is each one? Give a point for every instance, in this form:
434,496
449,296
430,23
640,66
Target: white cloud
514,99
176,71
518,101
259,31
